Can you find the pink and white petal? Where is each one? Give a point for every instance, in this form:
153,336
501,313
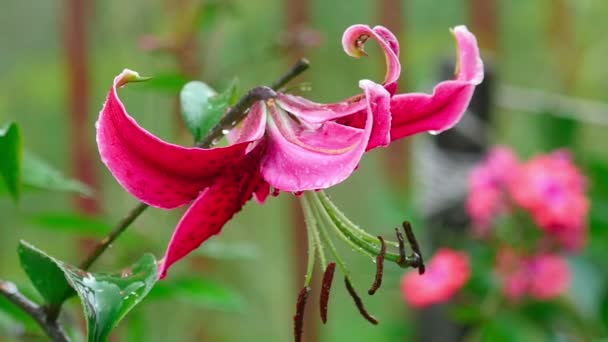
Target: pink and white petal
158,173
300,159
353,43
418,112
251,128
213,208
378,105
315,113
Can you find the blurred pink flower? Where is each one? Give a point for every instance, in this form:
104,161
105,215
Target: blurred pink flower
552,189
550,276
488,183
447,272
288,142
542,276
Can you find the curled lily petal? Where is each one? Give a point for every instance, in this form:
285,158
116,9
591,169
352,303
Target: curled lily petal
156,172
353,43
418,112
313,112
213,208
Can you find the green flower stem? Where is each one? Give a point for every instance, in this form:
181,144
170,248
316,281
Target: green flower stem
344,228
313,242
331,207
322,214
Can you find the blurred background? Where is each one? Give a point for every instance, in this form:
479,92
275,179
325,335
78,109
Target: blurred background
546,88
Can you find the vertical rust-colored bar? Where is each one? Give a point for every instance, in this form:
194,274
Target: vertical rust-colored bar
563,41
484,23
397,158
83,155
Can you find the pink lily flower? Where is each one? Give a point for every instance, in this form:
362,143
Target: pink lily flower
289,143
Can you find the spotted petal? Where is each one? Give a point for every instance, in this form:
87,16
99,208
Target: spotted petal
303,157
158,173
417,112
213,208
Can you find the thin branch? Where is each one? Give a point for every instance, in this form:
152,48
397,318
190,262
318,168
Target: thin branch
114,234
50,327
299,67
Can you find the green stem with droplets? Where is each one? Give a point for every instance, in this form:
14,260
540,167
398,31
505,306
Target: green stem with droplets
327,203
344,228
320,212
313,243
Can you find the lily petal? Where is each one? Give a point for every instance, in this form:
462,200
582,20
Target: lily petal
353,43
313,112
213,208
299,159
418,112
158,173
378,102
251,128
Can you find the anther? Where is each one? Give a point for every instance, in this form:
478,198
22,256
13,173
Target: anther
328,278
411,238
359,302
298,318
379,267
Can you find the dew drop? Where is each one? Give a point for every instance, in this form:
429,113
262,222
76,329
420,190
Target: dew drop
225,131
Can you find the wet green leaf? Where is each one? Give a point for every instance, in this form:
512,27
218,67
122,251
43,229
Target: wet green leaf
40,175
199,291
10,158
202,107
45,273
106,298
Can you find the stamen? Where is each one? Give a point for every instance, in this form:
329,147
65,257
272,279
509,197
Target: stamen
401,259
411,238
328,278
379,268
298,319
359,302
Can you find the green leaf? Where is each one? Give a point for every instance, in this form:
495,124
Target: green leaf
71,223
40,175
106,298
202,107
45,273
10,158
199,291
